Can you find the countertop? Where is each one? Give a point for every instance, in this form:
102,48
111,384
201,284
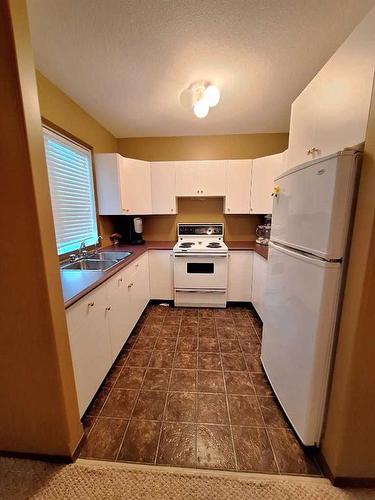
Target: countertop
262,250
76,284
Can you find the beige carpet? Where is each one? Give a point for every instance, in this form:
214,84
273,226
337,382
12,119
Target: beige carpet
20,479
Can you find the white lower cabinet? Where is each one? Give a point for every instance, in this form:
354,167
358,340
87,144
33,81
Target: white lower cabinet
100,323
161,274
139,288
90,344
118,308
240,275
259,283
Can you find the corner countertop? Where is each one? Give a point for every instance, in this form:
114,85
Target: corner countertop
261,250
77,284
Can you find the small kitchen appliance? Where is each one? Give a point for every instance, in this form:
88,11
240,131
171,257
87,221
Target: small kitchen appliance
200,265
135,231
263,231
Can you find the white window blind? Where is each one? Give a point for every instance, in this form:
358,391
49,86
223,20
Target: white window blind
72,192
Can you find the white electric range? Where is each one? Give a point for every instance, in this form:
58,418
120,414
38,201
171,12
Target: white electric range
200,265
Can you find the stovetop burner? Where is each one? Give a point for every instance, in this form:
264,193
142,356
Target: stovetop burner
213,244
186,245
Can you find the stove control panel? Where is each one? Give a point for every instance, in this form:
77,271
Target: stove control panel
215,229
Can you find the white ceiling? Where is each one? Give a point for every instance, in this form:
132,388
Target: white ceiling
127,61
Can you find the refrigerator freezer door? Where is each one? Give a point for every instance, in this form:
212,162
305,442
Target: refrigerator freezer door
300,314
312,210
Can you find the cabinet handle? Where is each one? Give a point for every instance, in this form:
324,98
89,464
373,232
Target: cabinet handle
91,304
130,285
198,191
120,280
202,191
108,308
313,150
172,210
228,209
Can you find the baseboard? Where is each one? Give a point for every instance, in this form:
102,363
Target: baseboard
45,457
344,481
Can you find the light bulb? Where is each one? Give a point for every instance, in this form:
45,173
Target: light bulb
201,108
211,95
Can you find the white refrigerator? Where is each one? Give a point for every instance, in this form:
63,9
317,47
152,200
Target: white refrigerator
311,221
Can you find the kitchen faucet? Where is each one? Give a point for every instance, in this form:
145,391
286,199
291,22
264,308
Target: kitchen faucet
97,244
82,250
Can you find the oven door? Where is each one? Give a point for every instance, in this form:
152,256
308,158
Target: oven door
201,271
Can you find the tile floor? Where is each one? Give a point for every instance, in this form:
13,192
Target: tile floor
188,390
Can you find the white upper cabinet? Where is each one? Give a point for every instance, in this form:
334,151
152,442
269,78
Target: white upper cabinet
163,187
332,112
302,126
135,182
238,185
264,172
187,178
212,177
200,178
123,185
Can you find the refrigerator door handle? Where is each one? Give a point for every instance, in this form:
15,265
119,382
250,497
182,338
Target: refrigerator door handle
305,256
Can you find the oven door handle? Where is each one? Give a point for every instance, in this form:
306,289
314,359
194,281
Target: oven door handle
202,255
200,291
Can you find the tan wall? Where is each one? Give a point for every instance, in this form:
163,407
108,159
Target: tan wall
349,442
39,411
59,109
212,147
237,227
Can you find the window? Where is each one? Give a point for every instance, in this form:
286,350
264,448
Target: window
72,192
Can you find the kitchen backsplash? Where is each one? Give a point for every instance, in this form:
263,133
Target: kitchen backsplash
237,227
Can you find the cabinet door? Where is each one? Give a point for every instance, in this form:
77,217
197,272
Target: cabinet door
140,287
89,344
238,186
118,312
135,182
163,187
187,178
212,176
107,168
302,126
161,274
263,173
259,283
344,88
240,275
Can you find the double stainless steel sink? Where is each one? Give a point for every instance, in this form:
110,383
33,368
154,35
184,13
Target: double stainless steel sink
99,261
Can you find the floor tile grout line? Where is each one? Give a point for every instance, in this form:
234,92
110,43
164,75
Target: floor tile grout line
261,413
134,405
167,395
110,391
200,423
229,415
268,437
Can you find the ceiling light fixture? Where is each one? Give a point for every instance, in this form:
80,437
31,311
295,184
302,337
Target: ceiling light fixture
201,96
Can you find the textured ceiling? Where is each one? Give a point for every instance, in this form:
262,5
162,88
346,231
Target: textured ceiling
127,61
